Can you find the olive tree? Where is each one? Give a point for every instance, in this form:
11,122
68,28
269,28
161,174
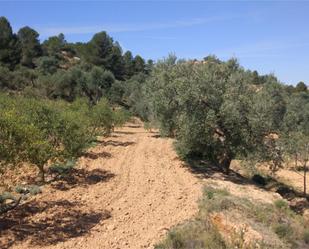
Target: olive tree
212,109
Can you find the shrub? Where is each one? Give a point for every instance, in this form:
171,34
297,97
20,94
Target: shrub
277,219
281,204
306,236
283,230
211,192
194,234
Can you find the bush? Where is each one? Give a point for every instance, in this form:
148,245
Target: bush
211,192
282,227
283,230
281,204
306,236
194,234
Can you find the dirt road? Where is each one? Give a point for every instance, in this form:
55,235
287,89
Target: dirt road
136,190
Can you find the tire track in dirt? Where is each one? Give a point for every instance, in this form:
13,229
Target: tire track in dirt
149,193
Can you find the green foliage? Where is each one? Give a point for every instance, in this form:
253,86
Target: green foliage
213,109
47,65
53,45
277,217
9,45
41,131
120,117
128,64
139,64
30,46
281,226
102,117
62,70
97,84
134,98
301,87
211,192
281,204
283,230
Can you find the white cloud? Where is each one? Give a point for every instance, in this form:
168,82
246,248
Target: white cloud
129,27
261,49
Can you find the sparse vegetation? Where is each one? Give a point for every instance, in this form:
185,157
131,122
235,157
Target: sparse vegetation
277,222
57,98
195,234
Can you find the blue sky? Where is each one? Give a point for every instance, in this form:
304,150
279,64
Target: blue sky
269,36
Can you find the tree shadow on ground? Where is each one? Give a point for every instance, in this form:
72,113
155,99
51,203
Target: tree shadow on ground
124,132
298,202
81,178
204,169
117,143
133,126
156,136
94,156
48,222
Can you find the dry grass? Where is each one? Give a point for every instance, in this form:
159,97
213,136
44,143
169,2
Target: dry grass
228,221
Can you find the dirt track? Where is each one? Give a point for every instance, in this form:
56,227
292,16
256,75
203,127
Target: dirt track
145,191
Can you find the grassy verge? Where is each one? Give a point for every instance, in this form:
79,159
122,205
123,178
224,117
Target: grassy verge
242,224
